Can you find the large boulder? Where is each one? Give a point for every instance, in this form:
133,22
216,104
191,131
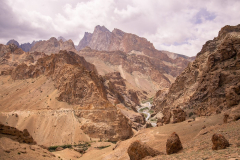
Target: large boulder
173,144
148,125
178,115
219,142
137,151
175,115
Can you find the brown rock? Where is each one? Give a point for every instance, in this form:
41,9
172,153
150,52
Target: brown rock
219,142
59,149
137,151
159,122
178,115
117,91
148,125
166,116
225,118
173,144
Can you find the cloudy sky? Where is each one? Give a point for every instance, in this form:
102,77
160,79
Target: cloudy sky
180,26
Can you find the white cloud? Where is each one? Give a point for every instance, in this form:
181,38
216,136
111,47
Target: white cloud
177,26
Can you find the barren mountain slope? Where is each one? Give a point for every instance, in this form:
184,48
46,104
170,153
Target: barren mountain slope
58,99
211,83
143,72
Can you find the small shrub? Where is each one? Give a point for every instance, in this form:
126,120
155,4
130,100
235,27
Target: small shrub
190,114
102,147
151,111
141,110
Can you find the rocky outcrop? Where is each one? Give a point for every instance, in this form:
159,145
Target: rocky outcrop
138,150
172,115
84,41
173,144
148,125
118,92
137,120
53,46
219,142
20,136
211,83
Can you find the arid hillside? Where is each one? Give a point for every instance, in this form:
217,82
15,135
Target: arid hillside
59,98
210,84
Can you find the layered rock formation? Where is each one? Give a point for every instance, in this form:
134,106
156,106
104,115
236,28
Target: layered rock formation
211,83
53,46
144,73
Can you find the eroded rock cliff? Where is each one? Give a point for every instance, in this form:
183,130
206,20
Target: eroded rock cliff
211,83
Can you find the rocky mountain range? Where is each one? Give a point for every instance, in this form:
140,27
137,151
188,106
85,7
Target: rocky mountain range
26,47
144,67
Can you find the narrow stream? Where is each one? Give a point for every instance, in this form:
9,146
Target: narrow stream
146,111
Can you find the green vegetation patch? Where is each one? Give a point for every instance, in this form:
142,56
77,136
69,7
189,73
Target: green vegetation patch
102,147
145,108
81,145
148,100
151,111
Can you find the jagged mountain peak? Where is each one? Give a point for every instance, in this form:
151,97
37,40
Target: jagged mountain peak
101,28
